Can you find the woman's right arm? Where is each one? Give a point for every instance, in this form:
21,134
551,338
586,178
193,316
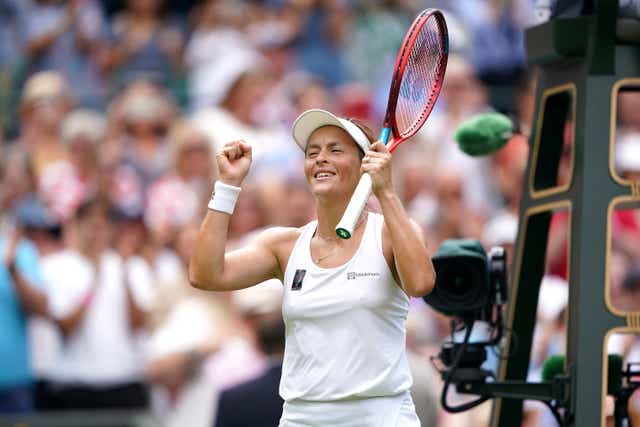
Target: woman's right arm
210,268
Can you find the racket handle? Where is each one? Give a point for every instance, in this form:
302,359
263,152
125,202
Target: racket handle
345,227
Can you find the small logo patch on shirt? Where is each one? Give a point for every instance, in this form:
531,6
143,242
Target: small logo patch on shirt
296,285
352,275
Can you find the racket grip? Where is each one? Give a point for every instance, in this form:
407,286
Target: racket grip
345,227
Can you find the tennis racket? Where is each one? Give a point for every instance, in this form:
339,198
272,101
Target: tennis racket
415,86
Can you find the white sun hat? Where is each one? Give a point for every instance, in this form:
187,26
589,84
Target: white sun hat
310,120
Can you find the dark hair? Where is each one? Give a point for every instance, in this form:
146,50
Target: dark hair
364,128
270,331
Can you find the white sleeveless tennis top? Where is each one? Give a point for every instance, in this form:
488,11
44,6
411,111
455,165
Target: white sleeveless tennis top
345,326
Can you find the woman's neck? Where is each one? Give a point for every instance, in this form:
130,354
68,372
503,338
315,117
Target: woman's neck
329,214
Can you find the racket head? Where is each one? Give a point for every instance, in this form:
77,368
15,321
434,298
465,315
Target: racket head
418,76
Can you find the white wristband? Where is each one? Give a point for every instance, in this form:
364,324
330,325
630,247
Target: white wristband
224,197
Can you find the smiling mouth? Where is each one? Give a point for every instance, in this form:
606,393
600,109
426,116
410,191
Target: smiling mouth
323,175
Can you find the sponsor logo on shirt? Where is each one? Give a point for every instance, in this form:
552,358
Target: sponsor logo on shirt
296,285
353,275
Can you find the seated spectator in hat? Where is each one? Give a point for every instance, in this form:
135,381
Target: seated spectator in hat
20,297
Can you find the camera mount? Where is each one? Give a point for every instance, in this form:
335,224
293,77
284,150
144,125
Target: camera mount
472,287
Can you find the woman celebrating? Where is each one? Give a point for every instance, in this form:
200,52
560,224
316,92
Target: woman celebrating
345,301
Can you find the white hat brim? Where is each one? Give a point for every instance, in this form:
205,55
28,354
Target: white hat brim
311,120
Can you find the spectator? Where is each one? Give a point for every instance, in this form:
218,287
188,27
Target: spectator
83,132
69,37
146,44
141,118
102,362
12,14
20,283
236,118
423,389
177,198
497,30
217,48
628,300
240,358
501,230
507,169
45,101
16,181
65,293
454,218
627,155
320,42
263,390
373,40
183,394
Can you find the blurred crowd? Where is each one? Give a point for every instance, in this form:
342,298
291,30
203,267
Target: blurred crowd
111,114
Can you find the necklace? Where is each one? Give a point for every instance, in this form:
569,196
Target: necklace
319,259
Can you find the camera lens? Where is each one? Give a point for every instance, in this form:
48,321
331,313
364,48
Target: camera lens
461,285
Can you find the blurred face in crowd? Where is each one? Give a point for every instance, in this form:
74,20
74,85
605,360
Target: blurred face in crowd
131,235
332,162
313,95
194,158
462,90
92,230
414,180
46,114
145,6
247,96
450,196
509,166
146,131
83,154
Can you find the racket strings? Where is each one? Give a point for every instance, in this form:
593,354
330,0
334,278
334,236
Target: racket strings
422,77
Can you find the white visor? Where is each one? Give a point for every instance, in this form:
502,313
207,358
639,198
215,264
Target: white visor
310,120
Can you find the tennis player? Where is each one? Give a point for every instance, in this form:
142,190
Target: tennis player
345,301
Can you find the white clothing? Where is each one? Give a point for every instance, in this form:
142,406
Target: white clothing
67,278
345,337
194,405
388,411
216,58
269,143
104,350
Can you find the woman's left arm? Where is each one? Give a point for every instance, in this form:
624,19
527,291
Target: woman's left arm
411,258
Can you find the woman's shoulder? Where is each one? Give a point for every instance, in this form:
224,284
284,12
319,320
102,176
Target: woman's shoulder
277,236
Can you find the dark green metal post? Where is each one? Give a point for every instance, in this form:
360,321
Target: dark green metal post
579,57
